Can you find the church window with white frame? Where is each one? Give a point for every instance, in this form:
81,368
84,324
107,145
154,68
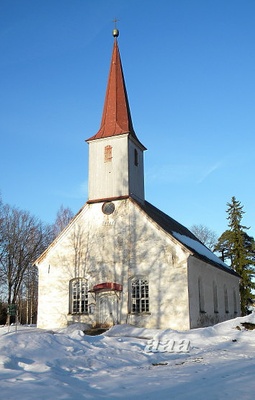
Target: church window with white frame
139,291
78,296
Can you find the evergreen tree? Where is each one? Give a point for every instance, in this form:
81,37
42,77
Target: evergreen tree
238,248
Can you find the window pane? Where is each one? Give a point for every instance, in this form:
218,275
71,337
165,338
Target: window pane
79,296
140,295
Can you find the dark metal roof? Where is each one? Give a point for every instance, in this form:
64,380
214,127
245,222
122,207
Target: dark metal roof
184,236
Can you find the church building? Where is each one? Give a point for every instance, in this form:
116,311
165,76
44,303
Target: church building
121,260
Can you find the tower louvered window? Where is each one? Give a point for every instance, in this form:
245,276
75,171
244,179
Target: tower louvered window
139,295
136,157
108,154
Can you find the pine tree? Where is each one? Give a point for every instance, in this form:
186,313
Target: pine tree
238,248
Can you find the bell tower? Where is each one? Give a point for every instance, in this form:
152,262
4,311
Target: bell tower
116,168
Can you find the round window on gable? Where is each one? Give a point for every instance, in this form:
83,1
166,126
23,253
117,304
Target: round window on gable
108,208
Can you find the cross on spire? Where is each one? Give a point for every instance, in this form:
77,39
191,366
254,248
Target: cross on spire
115,31
115,22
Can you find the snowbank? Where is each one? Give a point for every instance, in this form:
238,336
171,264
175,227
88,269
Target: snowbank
67,364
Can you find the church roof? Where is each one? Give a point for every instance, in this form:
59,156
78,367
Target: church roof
116,118
184,236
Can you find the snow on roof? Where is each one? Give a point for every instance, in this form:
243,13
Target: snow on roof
184,236
199,248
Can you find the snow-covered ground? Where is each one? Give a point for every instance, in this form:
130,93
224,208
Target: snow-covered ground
66,364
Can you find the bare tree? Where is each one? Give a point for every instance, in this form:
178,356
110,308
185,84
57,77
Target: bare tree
28,296
22,238
205,235
1,241
64,216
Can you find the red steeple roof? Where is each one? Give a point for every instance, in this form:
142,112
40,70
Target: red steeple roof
116,118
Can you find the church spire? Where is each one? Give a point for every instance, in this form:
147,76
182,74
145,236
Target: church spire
115,153
116,118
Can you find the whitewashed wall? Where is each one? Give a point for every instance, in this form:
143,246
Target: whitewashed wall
113,249
116,248
108,179
119,176
210,278
136,172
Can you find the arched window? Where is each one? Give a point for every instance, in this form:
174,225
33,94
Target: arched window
215,297
139,293
226,299
78,296
201,296
235,301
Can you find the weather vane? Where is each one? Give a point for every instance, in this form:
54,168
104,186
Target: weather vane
115,31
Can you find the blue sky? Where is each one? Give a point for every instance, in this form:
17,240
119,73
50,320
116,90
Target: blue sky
189,67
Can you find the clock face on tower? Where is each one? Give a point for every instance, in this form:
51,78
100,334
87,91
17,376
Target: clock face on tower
108,208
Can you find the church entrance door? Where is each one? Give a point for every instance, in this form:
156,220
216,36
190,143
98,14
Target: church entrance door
108,309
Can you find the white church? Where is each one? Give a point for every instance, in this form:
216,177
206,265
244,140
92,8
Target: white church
121,260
